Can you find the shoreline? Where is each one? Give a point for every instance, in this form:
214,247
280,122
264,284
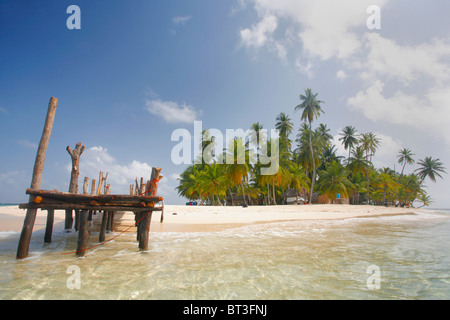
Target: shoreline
179,218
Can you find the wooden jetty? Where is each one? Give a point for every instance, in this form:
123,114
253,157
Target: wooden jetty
142,200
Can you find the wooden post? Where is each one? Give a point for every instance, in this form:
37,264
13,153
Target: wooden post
75,155
30,218
92,192
144,230
109,222
144,225
49,226
83,233
100,182
102,235
162,213
73,185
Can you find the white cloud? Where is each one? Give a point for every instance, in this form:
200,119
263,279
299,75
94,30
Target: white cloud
428,113
172,112
181,19
260,33
305,69
27,144
341,75
120,176
325,28
405,64
3,110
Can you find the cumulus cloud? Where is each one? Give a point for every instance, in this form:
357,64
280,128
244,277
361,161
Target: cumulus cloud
258,35
120,176
405,63
172,112
429,112
325,28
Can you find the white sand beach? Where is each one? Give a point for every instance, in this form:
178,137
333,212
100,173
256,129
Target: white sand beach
207,218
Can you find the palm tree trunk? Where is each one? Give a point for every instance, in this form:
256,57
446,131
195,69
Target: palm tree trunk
273,192
368,191
231,196
401,174
243,193
218,200
313,179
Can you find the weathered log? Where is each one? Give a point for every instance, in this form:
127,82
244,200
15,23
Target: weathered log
73,185
109,222
75,156
162,212
154,180
83,234
49,226
100,182
102,234
36,180
87,198
144,230
93,187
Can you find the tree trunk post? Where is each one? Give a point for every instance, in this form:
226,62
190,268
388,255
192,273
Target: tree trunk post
83,233
102,235
30,218
73,185
49,226
144,225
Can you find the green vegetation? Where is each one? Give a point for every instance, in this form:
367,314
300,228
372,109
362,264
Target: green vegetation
311,168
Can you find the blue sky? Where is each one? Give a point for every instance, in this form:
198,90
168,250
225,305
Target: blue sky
137,70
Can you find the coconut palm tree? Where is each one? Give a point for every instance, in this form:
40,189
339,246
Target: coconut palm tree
425,199
334,180
213,182
298,179
430,168
238,168
369,143
387,183
285,126
311,110
349,138
189,182
405,157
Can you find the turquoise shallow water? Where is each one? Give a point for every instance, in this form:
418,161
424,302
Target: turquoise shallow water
408,256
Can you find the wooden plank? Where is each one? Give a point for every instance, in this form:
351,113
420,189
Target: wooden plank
87,199
36,180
